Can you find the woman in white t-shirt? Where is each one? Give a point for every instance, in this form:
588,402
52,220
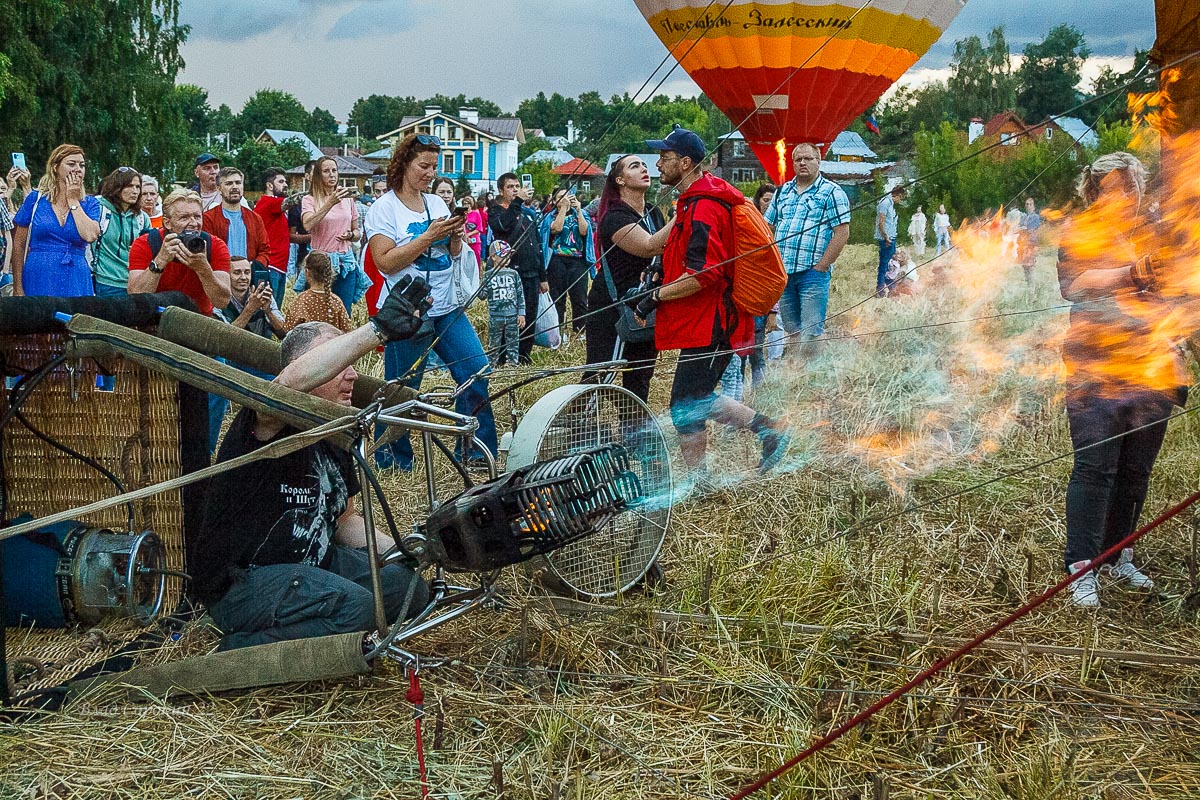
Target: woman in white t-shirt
411,232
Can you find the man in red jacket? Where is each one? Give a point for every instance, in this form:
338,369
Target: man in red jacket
696,314
239,227
270,209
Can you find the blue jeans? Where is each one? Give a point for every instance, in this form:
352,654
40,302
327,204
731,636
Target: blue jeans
110,291
295,601
804,303
886,251
943,241
458,345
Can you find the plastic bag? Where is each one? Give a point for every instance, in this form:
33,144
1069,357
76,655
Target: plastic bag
545,327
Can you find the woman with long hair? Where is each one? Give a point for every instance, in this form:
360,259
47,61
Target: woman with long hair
763,196
443,187
53,228
410,232
121,222
330,216
474,231
632,234
478,215
1124,373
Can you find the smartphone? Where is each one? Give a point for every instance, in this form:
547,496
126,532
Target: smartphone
18,161
571,191
527,181
259,274
458,211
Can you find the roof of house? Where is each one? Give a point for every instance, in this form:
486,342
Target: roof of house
852,169
559,142
382,154
496,127
651,160
1078,130
555,157
347,165
850,143
578,168
278,137
993,125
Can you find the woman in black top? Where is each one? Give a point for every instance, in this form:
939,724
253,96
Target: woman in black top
631,235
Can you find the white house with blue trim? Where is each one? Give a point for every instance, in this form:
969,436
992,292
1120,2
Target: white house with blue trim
482,148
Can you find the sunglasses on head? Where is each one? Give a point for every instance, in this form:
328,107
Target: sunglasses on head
428,139
126,169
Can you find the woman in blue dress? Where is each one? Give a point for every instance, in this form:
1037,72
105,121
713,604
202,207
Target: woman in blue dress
52,230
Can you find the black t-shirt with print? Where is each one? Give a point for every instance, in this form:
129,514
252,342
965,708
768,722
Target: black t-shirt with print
274,511
626,268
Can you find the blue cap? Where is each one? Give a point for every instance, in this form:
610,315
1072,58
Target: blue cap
205,158
682,141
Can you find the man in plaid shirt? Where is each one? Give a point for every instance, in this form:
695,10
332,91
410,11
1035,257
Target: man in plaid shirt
811,219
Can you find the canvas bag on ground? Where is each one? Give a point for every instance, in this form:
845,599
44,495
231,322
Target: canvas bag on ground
545,327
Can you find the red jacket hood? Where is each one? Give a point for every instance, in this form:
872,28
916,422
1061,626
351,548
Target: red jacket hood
710,185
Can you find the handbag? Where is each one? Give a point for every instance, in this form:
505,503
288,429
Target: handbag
465,274
627,326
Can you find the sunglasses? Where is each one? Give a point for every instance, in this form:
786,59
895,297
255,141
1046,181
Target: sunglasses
126,169
429,140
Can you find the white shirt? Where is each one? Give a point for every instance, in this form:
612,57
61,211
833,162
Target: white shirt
389,217
941,222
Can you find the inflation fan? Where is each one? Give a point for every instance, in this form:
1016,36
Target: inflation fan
576,418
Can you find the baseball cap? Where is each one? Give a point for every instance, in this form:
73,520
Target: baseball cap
680,140
500,249
205,158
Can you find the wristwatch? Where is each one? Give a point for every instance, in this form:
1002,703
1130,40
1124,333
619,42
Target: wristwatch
155,268
72,206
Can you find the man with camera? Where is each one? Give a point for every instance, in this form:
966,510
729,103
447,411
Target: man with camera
281,553
179,257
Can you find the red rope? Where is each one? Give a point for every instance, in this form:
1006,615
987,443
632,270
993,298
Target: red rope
946,661
417,698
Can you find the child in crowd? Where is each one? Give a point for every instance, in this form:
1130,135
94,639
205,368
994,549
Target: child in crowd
506,304
318,303
900,275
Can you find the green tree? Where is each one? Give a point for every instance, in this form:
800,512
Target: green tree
254,158
193,105
1050,72
1115,87
221,120
270,108
544,179
462,187
322,125
376,115
98,73
981,82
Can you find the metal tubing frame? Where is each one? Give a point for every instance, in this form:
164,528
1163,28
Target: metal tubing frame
368,513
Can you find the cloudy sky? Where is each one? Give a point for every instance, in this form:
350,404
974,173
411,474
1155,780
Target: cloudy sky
331,52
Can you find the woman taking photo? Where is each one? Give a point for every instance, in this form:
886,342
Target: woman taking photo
52,230
631,235
121,221
1123,373
567,251
411,232
330,216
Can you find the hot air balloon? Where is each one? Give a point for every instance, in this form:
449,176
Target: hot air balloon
791,72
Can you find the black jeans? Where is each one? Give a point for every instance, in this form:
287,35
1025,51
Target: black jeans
1109,481
531,284
568,278
602,339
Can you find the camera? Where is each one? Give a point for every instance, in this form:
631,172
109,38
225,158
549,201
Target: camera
192,240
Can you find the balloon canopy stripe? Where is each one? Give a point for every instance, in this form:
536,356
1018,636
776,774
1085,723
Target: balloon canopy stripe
791,71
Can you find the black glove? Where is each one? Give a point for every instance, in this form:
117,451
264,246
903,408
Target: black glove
647,305
1143,273
400,316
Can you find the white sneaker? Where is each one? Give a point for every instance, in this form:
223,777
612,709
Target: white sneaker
1085,592
1124,570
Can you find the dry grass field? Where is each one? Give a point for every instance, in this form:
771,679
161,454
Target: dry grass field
788,602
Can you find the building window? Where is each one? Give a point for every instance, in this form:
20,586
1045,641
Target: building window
439,130
458,133
739,149
1008,139
1049,133
468,163
448,163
